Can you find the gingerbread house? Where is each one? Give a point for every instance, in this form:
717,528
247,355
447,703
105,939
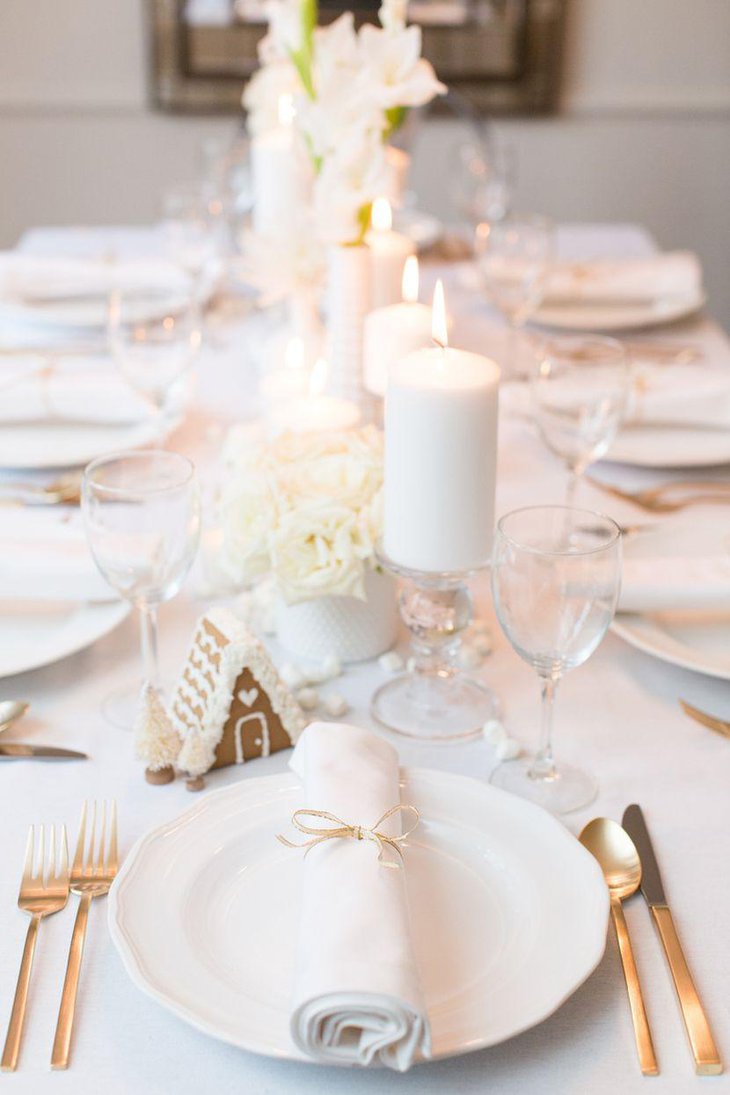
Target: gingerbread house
230,704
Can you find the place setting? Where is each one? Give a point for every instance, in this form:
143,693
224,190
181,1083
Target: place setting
411,754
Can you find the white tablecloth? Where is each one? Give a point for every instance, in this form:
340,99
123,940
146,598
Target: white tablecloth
618,716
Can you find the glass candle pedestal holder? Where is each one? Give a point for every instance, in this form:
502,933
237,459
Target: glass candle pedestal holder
434,701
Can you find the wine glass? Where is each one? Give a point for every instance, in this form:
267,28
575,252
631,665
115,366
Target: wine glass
580,392
154,346
514,257
556,574
194,233
484,182
142,518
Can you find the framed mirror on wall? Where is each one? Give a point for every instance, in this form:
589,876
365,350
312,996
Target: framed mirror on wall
500,56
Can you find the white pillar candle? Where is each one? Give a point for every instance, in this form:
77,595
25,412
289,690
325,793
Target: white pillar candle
281,175
394,332
389,251
440,458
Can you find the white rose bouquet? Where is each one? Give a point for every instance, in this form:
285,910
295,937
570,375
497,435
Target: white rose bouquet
352,90
306,507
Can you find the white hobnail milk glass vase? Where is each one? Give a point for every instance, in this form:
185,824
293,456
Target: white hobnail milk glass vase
349,295
350,629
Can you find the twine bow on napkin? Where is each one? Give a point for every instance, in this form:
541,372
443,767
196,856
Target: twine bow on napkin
342,830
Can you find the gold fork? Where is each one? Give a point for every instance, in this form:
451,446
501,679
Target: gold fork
90,878
41,894
720,726
656,499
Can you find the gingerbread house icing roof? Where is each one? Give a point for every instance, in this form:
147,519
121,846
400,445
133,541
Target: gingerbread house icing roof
210,674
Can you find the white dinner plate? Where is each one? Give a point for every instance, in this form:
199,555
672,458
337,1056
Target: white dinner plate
35,633
422,229
670,447
690,640
86,313
509,912
67,445
614,317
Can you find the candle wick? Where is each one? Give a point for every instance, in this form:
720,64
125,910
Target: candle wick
438,343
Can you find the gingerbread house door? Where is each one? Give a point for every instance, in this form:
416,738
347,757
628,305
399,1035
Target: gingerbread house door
261,739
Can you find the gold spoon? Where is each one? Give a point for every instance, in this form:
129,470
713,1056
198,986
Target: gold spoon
10,712
619,860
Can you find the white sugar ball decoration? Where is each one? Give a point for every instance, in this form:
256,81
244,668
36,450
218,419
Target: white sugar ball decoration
507,749
479,626
494,732
335,705
410,665
482,643
308,698
292,675
331,667
390,662
469,657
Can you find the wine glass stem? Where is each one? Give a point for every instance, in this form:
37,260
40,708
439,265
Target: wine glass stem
148,622
572,485
543,766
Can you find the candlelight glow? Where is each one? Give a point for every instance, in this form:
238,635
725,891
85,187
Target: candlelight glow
439,330
410,280
294,353
381,217
287,110
318,378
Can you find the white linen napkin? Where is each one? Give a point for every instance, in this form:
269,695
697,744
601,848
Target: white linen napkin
38,280
680,395
676,582
357,998
36,392
625,281
44,556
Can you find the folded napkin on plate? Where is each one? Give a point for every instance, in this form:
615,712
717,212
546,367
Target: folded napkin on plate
40,280
625,281
680,395
53,393
676,582
45,557
357,999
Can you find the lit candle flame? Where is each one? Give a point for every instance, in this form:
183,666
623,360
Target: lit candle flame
287,110
439,328
294,353
410,280
318,378
381,217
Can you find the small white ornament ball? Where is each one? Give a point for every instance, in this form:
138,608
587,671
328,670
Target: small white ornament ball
479,626
410,665
482,643
469,657
308,698
335,705
390,662
331,667
292,675
494,732
507,749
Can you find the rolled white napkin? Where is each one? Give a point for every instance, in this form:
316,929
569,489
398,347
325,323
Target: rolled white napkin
625,281
37,280
680,395
358,998
45,557
676,582
34,393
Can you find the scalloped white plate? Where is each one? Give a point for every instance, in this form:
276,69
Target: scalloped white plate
509,912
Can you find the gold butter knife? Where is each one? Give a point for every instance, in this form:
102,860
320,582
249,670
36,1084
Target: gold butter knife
19,750
704,1050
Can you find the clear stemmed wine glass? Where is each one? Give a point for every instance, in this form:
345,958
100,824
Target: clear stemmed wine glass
142,517
580,392
154,347
514,257
556,574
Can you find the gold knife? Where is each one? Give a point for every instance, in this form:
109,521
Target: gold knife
19,750
705,1052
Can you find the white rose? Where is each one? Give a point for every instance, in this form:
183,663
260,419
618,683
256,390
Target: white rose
248,515
344,467
317,551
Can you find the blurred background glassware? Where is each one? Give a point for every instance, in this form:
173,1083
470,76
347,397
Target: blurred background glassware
580,395
155,348
483,185
194,234
514,257
227,187
142,518
556,574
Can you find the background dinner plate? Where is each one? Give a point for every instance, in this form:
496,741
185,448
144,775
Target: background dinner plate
509,912
670,447
86,313
612,317
690,640
59,445
34,633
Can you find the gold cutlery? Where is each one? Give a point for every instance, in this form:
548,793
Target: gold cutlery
665,353
705,1052
621,866
21,750
659,500
720,726
11,711
91,876
41,894
66,490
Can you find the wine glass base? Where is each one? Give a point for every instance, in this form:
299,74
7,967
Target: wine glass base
119,708
570,789
434,709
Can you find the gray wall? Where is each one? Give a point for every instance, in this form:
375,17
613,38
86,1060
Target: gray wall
643,134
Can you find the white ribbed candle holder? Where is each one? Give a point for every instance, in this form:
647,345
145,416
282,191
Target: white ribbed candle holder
349,294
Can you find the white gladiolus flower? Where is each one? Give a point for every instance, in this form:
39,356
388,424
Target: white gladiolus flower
393,14
263,92
394,70
285,30
351,177
279,265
